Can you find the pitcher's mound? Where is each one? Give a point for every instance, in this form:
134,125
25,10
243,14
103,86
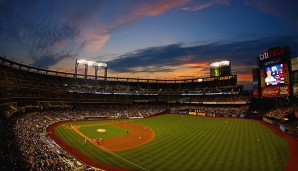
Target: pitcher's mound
101,130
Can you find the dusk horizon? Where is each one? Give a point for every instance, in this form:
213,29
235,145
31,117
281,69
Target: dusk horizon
164,39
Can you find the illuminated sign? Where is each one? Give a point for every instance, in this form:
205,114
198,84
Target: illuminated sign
276,91
274,75
273,56
280,51
222,68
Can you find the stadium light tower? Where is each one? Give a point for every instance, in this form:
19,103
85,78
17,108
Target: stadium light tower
96,65
100,64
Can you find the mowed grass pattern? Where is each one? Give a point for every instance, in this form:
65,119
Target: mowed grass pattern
76,141
201,143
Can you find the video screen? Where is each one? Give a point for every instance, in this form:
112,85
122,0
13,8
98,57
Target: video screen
274,75
214,72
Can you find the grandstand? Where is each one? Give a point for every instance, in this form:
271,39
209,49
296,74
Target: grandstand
32,81
31,99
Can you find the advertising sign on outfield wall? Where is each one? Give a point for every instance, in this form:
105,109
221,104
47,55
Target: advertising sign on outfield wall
192,112
276,91
201,114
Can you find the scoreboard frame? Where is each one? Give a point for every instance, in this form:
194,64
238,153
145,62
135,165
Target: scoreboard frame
277,56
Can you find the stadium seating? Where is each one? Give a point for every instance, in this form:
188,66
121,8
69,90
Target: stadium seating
31,99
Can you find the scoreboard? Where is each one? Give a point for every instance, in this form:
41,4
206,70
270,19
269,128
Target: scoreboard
274,72
218,69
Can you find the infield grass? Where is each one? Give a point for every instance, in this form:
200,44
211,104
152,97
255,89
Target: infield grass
194,143
111,131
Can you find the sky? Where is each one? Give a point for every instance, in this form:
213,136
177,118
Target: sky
159,39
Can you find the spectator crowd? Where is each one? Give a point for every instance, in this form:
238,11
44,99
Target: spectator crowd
25,144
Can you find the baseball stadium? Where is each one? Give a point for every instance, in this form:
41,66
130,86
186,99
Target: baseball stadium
53,120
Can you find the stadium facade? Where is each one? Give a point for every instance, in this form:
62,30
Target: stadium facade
48,96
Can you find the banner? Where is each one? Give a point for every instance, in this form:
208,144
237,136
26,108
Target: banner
276,91
240,102
196,102
202,114
209,102
192,113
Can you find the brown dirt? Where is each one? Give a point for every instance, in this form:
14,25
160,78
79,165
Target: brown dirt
132,141
292,143
138,136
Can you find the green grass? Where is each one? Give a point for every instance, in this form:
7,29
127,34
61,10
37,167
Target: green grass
197,143
76,141
111,131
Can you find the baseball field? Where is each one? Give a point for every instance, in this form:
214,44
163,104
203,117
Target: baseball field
174,142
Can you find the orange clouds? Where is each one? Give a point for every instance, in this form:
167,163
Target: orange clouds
184,58
96,42
191,70
205,5
158,8
98,33
147,9
200,64
167,72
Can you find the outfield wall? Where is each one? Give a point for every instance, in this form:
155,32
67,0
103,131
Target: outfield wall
259,118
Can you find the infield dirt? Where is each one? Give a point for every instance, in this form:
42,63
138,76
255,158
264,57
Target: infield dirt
138,136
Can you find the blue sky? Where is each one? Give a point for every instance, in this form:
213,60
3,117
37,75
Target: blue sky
163,39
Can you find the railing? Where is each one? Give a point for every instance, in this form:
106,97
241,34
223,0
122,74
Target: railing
32,69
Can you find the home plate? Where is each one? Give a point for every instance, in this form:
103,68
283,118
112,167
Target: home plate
101,130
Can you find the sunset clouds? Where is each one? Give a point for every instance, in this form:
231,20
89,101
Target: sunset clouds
205,4
143,38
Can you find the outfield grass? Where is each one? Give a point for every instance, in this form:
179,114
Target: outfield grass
196,143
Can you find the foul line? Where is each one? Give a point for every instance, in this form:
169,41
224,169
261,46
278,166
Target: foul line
123,158
89,139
